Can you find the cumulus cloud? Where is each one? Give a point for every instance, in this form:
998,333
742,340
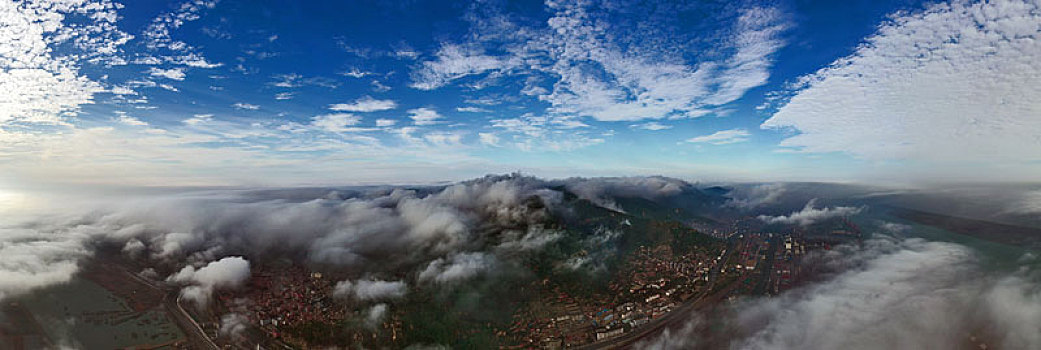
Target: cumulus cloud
365,104
172,73
370,289
336,122
723,137
424,116
955,82
810,214
224,273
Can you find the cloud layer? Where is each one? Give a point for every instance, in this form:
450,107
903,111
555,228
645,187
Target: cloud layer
889,294
440,234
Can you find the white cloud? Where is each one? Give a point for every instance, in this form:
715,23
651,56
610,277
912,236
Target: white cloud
172,73
457,268
128,120
158,39
532,132
364,104
336,122
199,119
891,294
284,96
595,72
377,86
122,90
443,138
810,214
652,126
246,106
287,80
356,73
722,137
425,116
31,259
472,110
454,62
757,37
39,84
489,139
385,122
224,273
957,82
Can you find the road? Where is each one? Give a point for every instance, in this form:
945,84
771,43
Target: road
674,319
196,337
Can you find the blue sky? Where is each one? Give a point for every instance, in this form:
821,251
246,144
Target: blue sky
294,93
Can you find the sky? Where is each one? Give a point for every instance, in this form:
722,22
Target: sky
282,93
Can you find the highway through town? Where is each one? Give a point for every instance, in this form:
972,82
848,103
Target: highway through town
674,319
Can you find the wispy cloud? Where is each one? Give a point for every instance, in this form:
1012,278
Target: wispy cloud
722,137
159,40
592,75
364,104
653,126
453,62
245,106
472,110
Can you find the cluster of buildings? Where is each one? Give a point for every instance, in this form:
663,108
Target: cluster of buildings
786,266
751,249
652,282
281,297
